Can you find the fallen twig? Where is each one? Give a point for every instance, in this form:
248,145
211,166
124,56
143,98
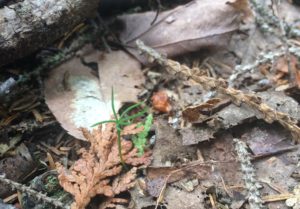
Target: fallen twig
32,192
276,152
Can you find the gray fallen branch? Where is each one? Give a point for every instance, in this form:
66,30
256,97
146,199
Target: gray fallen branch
31,24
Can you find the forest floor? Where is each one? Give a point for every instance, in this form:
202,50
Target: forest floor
189,106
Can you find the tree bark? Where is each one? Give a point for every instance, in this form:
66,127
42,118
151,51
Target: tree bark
31,24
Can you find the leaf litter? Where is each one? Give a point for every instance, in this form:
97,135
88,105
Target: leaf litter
80,97
216,21
196,128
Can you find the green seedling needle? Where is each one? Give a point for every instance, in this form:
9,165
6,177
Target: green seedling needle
122,120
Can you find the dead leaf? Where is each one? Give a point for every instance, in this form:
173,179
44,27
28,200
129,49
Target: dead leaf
121,71
232,115
160,102
180,199
198,113
242,6
282,70
263,141
78,98
195,134
196,25
221,149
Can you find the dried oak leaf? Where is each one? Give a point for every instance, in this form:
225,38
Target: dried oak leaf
96,172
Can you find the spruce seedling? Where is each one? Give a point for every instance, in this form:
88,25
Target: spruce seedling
122,120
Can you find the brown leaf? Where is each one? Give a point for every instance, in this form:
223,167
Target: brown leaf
199,113
78,98
242,6
282,67
194,135
96,172
160,102
196,25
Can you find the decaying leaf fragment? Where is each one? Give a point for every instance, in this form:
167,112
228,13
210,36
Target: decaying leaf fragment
97,171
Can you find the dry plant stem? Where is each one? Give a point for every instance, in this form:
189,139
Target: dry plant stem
277,197
31,192
238,97
248,170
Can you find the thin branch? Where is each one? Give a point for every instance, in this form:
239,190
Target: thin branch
31,192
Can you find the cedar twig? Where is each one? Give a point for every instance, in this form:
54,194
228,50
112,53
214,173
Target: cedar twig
31,192
238,97
248,170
